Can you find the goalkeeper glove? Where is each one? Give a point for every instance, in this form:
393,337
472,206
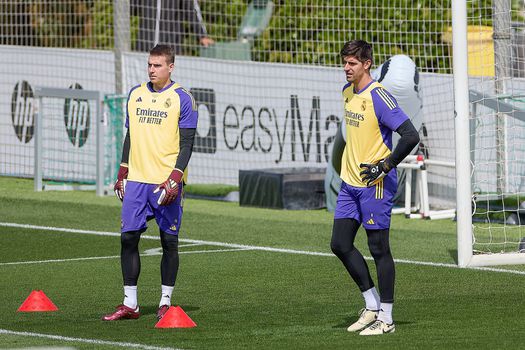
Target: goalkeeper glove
120,185
372,173
170,188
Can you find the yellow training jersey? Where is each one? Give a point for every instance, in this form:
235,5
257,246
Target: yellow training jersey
370,117
154,119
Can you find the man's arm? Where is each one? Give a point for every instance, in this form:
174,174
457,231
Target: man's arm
122,176
197,22
125,149
409,139
170,187
187,138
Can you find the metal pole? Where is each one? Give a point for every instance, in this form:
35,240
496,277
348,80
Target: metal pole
157,22
99,120
462,142
38,147
502,56
122,40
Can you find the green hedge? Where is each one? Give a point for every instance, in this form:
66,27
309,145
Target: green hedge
300,31
305,32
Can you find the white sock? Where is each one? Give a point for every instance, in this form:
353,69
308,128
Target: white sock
130,296
385,314
371,299
165,298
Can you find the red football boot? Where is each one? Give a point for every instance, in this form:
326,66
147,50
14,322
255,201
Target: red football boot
121,313
162,311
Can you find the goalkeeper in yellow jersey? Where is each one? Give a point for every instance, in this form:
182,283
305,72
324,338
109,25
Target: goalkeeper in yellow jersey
369,184
161,121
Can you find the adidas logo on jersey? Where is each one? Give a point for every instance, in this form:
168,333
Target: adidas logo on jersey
139,99
370,222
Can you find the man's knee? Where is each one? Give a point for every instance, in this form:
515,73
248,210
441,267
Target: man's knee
339,249
343,235
169,242
378,243
130,239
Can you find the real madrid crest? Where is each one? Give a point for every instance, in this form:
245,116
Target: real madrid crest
167,103
363,106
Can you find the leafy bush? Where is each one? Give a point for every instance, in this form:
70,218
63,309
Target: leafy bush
300,31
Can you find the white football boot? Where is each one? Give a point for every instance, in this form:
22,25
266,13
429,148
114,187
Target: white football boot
378,328
366,318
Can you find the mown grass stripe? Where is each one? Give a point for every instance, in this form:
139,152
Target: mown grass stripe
251,247
113,257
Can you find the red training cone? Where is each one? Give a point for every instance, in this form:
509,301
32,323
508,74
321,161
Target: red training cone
37,301
175,317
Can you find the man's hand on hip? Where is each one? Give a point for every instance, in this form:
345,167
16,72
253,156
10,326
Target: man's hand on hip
372,173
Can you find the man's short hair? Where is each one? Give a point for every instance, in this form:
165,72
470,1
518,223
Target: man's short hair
360,49
164,50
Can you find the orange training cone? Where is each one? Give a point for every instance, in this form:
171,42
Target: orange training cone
37,301
175,317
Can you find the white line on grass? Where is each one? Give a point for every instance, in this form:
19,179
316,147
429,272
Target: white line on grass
188,245
115,257
84,340
250,247
58,260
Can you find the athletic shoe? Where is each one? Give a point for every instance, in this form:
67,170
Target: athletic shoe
378,328
366,318
122,312
162,311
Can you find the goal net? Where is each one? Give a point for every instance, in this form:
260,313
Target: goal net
496,127
74,145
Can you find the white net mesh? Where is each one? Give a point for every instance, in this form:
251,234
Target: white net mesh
267,77
70,158
69,139
496,62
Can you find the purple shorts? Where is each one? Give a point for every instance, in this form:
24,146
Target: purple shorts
140,205
370,206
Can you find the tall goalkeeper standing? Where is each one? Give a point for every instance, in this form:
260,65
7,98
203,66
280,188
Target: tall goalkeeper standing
369,184
161,121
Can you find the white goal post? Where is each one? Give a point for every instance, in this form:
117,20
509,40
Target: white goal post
65,152
482,158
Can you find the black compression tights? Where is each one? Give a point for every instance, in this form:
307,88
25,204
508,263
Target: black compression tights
169,264
129,257
342,244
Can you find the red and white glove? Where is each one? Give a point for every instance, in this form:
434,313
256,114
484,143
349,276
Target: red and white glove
170,188
120,185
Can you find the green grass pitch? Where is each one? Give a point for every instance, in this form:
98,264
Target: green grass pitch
270,295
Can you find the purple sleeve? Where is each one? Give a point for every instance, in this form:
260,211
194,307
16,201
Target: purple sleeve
346,86
387,110
127,102
188,110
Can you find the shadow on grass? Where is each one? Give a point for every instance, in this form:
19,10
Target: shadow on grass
454,255
152,309
351,319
